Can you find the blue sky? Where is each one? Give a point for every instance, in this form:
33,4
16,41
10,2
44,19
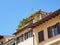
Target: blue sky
12,11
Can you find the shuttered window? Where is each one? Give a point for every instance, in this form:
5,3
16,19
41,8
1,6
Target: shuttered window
49,32
21,38
53,30
25,36
58,27
28,34
40,36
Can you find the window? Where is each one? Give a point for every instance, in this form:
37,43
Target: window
21,38
18,41
41,36
54,30
25,36
28,34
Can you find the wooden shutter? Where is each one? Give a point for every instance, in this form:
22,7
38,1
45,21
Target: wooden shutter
58,27
22,37
41,36
25,36
17,40
49,32
31,33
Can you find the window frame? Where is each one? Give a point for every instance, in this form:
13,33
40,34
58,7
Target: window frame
21,37
26,34
41,33
49,30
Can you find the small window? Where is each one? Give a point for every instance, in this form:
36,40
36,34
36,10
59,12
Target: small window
28,34
54,30
41,36
17,39
21,38
25,36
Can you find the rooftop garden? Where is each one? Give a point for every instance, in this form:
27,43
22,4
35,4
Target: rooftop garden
24,20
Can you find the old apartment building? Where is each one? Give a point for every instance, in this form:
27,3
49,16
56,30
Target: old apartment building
41,29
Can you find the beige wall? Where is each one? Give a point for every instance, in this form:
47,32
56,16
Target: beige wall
44,26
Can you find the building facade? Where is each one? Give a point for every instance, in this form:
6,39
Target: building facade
42,29
25,35
47,30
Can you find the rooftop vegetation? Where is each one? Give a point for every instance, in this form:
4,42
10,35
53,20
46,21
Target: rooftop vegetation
24,21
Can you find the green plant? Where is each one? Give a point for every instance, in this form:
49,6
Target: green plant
24,20
22,23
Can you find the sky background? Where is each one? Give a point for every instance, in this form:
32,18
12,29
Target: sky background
12,11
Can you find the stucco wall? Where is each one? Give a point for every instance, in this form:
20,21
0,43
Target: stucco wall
44,26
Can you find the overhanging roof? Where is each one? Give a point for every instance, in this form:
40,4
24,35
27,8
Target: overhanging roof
52,15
